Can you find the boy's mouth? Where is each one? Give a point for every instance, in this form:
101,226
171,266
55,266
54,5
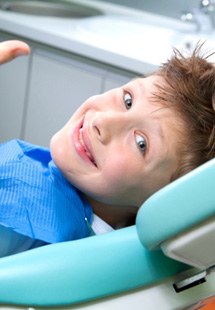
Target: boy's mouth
86,145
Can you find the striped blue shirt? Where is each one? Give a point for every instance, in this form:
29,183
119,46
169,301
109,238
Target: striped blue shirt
35,199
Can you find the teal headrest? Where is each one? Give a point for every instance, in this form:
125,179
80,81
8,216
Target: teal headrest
177,207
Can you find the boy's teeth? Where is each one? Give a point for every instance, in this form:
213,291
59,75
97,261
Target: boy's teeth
80,137
82,143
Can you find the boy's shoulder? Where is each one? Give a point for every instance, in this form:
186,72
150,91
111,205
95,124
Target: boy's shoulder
18,150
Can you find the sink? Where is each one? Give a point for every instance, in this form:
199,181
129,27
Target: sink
127,35
116,28
149,41
50,8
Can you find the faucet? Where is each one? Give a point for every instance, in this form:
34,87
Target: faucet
201,16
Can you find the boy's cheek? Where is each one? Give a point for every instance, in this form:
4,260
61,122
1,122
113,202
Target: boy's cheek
119,175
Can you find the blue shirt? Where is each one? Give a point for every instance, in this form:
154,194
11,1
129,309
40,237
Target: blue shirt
35,199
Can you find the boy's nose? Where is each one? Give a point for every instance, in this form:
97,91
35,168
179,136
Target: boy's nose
108,125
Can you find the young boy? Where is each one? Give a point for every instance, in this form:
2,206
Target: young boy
115,151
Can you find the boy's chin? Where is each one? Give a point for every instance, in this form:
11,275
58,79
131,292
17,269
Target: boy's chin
52,143
55,147
58,150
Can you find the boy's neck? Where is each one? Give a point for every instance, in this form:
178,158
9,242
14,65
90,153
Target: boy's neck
115,216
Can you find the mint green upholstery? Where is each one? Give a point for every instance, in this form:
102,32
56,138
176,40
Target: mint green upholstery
177,207
82,270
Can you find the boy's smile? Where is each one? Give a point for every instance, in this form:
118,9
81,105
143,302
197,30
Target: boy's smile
119,147
82,143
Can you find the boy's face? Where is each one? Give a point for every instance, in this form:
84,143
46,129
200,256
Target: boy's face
119,147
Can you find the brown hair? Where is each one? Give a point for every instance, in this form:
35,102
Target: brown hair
189,87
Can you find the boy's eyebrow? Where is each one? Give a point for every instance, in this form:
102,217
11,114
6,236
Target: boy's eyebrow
159,128
140,85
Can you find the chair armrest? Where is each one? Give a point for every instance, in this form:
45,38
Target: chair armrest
82,270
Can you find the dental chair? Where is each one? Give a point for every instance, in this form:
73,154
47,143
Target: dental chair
165,261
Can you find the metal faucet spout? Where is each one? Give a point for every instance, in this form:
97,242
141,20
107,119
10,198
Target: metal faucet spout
203,16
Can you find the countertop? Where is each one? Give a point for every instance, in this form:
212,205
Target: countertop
125,38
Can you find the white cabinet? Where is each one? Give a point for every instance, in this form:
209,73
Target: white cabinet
13,85
58,86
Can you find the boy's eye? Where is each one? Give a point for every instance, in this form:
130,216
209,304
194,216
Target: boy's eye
128,100
141,142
